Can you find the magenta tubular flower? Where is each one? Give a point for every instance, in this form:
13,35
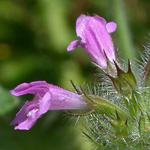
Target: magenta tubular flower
46,97
94,32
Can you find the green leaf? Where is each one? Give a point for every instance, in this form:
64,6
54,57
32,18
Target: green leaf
7,101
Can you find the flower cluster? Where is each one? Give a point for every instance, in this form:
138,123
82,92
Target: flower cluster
117,120
94,32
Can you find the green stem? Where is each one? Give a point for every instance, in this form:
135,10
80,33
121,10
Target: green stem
126,42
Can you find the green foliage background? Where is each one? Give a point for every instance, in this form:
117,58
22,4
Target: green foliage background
34,35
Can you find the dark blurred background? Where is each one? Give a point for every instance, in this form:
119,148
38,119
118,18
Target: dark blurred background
34,35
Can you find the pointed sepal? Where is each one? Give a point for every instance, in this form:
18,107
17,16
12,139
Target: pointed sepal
120,127
124,82
104,106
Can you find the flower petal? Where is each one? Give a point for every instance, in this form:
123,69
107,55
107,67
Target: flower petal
103,41
29,121
111,27
94,38
45,103
94,50
100,19
81,24
74,44
21,115
31,88
62,99
27,116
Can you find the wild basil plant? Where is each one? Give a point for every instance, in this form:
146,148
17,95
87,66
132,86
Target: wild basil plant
117,114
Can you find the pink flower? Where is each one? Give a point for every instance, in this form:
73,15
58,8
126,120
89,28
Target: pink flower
95,38
46,97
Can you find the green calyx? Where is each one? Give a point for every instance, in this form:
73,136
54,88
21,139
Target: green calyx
124,82
106,107
120,127
117,117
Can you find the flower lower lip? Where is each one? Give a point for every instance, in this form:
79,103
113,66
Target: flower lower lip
32,111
